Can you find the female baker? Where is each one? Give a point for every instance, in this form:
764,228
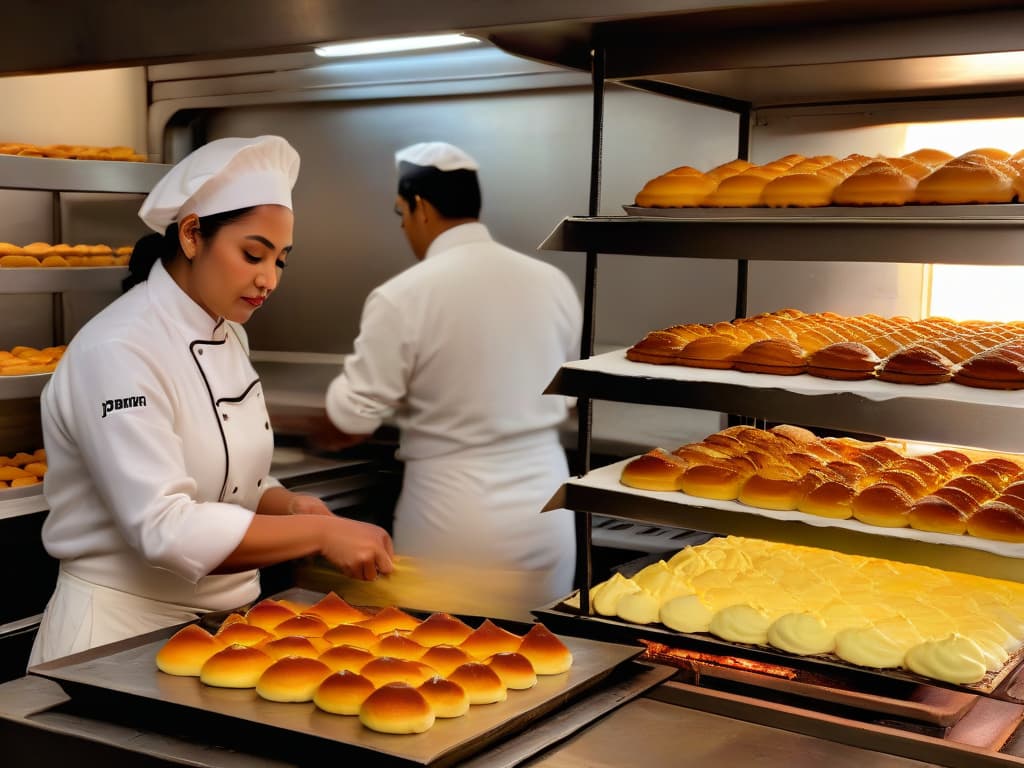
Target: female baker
155,427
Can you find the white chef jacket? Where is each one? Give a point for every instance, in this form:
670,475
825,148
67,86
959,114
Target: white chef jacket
159,447
458,350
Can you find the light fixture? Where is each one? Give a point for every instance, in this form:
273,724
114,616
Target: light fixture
394,45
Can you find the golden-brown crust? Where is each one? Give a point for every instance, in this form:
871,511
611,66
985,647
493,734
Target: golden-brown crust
882,505
186,651
938,515
445,658
235,666
489,639
349,634
396,708
389,619
547,654
657,470
772,490
675,191
992,369
782,357
441,629
832,498
965,180
383,670
481,683
715,351
877,183
514,669
346,657
843,361
712,481
998,521
343,693
446,698
335,610
292,679
915,364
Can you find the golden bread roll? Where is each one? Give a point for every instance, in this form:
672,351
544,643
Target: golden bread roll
832,499
343,693
930,157
908,482
915,364
958,498
997,477
744,190
979,489
446,699
441,629
240,633
848,471
992,153
965,180
10,473
38,250
334,610
913,168
782,357
236,666
675,191
396,708
348,634
8,249
713,481
233,618
389,619
772,489
938,515
383,670
799,190
658,348
53,261
303,625
186,651
267,614
346,657
882,505
726,170
992,369
712,352
445,658
22,482
481,683
514,669
16,260
998,521
547,654
877,183
398,646
1015,489
310,647
292,679
489,639
797,435
657,470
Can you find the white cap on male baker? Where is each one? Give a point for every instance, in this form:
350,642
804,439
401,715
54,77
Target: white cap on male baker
224,175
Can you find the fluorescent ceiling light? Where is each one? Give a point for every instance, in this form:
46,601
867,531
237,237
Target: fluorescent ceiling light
394,45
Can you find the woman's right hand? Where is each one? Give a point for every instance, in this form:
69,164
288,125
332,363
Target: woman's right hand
359,550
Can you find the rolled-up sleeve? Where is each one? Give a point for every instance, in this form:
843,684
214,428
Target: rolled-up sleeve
136,460
375,378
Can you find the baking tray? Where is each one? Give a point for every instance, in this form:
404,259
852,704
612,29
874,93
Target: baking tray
563,617
125,672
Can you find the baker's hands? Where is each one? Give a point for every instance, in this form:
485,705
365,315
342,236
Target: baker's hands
358,550
301,504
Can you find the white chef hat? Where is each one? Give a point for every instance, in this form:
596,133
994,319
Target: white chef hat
224,175
436,154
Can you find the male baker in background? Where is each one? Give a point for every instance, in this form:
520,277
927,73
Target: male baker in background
458,349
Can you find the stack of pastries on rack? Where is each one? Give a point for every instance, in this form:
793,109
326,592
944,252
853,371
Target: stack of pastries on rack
392,670
925,176
21,361
72,152
63,255
880,484
788,342
813,602
22,469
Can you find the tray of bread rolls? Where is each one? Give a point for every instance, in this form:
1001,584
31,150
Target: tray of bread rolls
314,668
991,212
815,609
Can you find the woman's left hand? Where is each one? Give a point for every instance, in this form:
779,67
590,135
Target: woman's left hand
301,504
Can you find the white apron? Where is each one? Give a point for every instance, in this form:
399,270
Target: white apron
481,508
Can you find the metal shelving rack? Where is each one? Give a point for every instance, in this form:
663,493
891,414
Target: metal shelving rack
797,55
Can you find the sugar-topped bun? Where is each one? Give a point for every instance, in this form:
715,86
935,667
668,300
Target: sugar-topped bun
396,708
349,634
936,514
547,654
241,633
877,183
930,157
293,645
343,693
388,620
883,505
997,520
335,610
384,670
346,657
445,658
186,651
303,625
446,698
268,613
831,498
237,666
489,639
399,647
441,629
480,682
293,678
514,669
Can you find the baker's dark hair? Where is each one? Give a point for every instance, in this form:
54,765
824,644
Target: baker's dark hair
455,194
153,247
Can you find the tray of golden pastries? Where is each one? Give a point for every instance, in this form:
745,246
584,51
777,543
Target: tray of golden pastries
21,474
378,682
63,256
919,179
72,152
814,608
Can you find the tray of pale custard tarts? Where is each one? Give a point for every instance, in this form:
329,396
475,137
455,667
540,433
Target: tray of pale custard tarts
984,182
819,610
374,682
958,496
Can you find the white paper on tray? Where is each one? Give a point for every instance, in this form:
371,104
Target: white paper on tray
615,363
607,479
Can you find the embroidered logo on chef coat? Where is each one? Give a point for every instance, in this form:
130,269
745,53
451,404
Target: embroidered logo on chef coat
122,403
